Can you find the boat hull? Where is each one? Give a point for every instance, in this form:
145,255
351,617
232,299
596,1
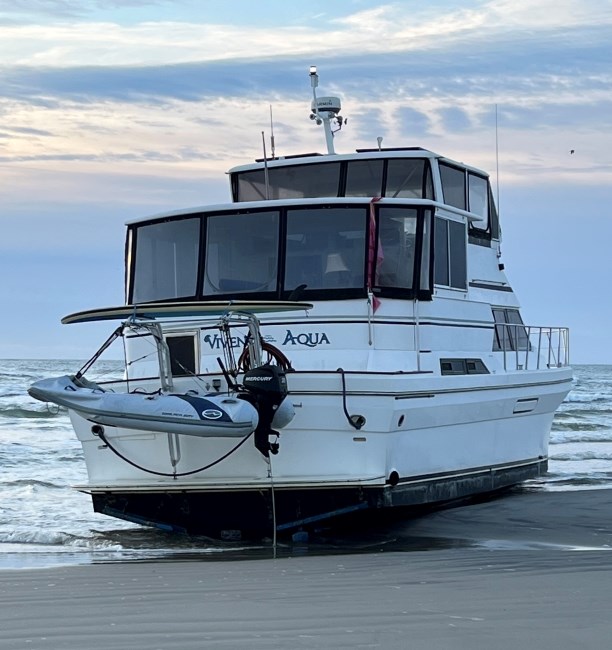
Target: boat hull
457,439
254,513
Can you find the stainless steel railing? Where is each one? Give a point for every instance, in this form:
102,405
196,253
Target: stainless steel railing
526,347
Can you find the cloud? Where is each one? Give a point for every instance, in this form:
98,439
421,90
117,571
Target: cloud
154,42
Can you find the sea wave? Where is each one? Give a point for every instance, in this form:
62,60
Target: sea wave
587,398
25,412
576,455
45,537
581,426
580,436
31,483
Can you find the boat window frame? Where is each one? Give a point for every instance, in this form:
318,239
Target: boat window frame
424,212
427,183
245,295
194,336
321,293
131,257
417,291
509,335
449,254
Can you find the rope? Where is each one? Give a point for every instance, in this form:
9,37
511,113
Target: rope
104,439
244,361
274,547
88,364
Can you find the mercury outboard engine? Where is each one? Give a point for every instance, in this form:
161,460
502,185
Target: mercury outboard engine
267,388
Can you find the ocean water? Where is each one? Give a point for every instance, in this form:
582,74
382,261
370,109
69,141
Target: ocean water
43,521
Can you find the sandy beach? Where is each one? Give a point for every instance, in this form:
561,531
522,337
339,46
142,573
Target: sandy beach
530,570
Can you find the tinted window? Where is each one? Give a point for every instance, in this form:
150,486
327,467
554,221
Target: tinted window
425,252
364,178
458,269
166,260
441,252
182,355
453,186
291,182
450,264
396,247
478,195
408,178
241,253
510,333
493,218
325,248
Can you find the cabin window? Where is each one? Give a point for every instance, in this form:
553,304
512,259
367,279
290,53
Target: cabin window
183,354
453,185
395,257
478,197
450,263
493,216
364,178
166,260
325,248
425,275
409,178
510,332
241,253
463,367
290,182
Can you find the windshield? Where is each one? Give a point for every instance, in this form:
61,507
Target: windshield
324,251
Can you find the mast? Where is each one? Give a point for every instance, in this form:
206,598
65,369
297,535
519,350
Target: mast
325,110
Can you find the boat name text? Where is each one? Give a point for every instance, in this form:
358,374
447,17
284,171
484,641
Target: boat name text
309,339
217,342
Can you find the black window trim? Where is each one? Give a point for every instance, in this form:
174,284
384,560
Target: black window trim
426,179
280,292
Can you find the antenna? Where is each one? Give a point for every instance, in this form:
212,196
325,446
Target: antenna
496,160
272,147
266,175
325,110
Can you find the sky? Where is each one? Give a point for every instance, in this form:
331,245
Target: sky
116,109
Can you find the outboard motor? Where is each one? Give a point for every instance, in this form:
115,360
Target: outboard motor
267,388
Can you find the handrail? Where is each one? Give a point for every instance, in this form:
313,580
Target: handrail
518,342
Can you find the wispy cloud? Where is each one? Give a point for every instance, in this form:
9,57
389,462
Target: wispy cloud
194,96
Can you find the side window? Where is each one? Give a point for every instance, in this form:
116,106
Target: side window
395,257
453,186
478,200
510,332
450,262
441,274
493,216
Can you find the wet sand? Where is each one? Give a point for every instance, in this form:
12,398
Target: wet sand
530,570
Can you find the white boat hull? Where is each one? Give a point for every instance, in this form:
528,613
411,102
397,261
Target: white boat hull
433,441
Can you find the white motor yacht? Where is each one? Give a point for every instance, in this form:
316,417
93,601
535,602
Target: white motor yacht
372,283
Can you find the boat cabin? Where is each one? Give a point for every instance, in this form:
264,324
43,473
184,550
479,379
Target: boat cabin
392,222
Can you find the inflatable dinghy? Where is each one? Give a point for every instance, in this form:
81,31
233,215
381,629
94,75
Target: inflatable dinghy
189,414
